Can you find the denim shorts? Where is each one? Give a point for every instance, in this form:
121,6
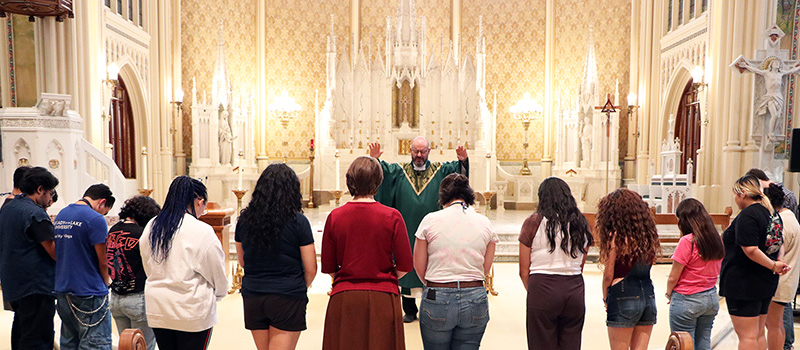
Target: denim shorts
631,302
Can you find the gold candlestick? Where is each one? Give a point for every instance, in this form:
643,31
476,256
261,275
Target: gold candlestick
311,178
239,194
487,196
237,274
337,195
145,192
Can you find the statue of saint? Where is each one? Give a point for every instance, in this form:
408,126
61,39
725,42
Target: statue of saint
225,139
770,103
586,142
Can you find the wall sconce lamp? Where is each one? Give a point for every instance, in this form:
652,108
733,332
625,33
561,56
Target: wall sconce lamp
112,75
178,102
697,78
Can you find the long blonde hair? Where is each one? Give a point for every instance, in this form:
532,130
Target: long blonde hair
749,186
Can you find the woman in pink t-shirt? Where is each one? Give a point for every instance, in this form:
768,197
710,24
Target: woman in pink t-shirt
691,286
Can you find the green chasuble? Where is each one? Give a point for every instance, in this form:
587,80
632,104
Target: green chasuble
415,194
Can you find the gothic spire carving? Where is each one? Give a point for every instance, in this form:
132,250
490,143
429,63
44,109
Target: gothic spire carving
220,85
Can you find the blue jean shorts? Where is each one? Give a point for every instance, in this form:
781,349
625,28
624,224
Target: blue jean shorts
631,303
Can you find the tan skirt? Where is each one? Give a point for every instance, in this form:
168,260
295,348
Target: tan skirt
366,320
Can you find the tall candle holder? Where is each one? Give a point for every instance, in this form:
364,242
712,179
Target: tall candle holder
526,110
311,177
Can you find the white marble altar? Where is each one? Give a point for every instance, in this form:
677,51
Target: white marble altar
405,91
222,128
587,152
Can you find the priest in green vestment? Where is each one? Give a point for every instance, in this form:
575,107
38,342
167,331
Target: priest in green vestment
413,189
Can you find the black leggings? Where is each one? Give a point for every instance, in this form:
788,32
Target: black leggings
170,339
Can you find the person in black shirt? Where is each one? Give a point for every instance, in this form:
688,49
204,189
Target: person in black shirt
125,266
27,261
275,247
749,274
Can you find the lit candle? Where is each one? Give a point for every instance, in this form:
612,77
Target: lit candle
240,169
337,170
144,167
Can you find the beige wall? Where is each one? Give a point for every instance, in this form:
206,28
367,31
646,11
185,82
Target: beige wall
515,36
200,21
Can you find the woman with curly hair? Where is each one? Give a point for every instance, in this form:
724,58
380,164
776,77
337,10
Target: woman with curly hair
552,250
748,278
628,248
185,267
275,246
125,266
692,282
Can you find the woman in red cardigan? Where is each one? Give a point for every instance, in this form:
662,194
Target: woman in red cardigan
365,248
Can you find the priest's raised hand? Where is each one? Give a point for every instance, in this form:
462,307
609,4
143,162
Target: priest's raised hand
375,150
461,153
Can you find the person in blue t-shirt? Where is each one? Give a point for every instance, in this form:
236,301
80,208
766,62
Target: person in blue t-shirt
82,272
27,261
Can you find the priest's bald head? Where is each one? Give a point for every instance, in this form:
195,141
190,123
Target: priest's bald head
420,148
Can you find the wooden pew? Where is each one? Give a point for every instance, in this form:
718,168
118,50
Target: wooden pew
677,341
132,339
721,220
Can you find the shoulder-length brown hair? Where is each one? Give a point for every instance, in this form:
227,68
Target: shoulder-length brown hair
622,216
693,218
364,176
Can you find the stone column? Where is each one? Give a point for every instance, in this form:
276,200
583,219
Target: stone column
547,154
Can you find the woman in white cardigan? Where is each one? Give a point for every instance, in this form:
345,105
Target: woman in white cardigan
185,267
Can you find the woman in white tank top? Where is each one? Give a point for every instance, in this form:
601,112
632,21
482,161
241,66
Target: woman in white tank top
552,251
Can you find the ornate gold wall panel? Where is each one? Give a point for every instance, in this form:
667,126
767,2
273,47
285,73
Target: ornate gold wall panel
24,62
515,52
373,22
200,21
611,22
296,49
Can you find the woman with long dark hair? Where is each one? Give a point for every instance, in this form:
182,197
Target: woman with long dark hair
185,267
275,246
552,250
454,284
691,285
628,249
748,277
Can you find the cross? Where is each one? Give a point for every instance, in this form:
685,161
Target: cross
607,108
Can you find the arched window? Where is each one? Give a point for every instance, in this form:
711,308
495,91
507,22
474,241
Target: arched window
121,133
687,127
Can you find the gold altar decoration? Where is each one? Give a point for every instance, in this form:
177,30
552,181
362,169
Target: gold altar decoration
239,194
487,196
145,192
237,274
284,108
526,111
337,194
489,283
311,177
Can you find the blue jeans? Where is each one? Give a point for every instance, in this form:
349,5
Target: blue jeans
129,312
455,320
695,314
85,322
788,325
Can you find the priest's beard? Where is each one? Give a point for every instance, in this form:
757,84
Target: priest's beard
419,163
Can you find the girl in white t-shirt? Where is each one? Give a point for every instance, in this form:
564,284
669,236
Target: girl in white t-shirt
452,255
